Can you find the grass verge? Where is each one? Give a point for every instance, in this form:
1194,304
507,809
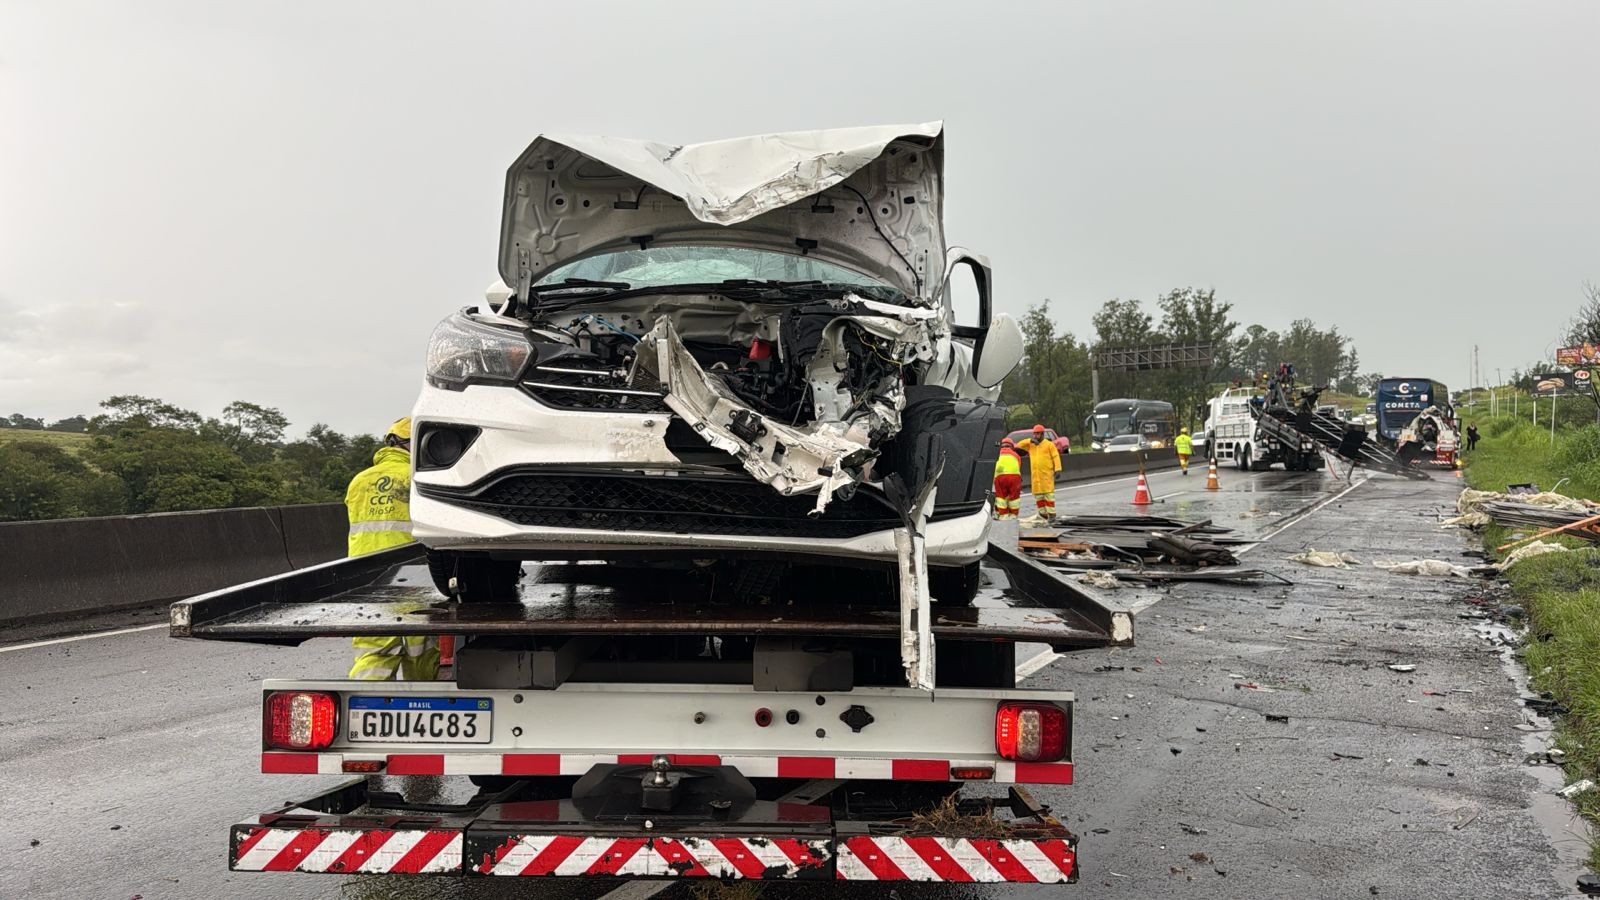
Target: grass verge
1560,591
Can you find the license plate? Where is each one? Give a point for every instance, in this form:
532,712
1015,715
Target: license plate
420,720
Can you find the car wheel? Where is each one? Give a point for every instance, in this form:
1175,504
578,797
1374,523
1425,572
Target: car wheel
955,585
479,579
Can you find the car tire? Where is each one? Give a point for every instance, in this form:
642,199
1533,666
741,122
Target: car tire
955,585
479,579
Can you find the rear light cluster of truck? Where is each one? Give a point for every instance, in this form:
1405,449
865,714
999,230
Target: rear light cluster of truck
300,720
1030,732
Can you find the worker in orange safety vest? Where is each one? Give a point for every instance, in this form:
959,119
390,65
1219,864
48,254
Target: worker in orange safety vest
1007,481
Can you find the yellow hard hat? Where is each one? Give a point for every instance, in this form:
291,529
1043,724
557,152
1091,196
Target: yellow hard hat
400,429
1183,431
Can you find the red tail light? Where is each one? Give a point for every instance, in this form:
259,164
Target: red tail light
300,720
1030,732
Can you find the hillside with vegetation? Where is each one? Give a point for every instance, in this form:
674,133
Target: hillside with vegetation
142,455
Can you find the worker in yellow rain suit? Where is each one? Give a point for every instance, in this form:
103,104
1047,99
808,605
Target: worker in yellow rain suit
1185,447
1044,461
379,503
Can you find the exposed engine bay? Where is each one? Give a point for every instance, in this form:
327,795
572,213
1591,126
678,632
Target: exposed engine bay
802,393
1431,432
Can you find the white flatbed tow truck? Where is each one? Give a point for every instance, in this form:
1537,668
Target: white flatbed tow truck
629,723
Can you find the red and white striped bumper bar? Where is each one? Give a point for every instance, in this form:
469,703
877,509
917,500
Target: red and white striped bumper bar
549,764
355,850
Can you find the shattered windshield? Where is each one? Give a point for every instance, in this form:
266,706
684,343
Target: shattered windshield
670,266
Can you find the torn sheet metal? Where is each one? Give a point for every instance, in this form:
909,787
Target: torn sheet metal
836,450
869,199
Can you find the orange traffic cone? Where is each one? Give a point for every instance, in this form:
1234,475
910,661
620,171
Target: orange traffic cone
1211,477
1141,492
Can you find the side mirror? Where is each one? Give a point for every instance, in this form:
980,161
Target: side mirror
967,296
999,353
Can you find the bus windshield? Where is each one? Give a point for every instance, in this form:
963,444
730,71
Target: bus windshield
1110,424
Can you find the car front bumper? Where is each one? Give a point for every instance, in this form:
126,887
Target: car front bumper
604,486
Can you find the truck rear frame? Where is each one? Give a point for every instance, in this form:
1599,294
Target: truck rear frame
782,750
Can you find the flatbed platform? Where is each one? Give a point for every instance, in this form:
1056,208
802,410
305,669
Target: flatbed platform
391,593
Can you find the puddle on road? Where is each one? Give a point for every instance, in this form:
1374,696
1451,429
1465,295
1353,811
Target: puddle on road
1566,831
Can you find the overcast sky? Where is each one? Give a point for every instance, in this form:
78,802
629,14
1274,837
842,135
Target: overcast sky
277,201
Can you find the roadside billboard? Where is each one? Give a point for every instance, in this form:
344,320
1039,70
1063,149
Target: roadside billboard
1582,355
1548,384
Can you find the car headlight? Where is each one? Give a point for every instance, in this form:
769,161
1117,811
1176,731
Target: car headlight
462,351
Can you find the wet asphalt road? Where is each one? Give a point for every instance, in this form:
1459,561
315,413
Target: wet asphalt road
126,756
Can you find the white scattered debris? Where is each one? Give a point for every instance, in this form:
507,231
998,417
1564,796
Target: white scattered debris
1582,786
1256,513
1326,559
1472,501
1033,521
1537,548
1402,667
1100,580
1474,519
1424,567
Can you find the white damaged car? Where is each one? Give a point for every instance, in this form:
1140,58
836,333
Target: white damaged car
743,350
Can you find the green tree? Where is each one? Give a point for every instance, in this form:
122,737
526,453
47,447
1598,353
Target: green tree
43,481
250,430
1124,324
1190,316
168,469
73,424
1052,383
1585,325
130,410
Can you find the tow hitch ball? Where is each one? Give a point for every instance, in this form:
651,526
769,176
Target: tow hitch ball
659,789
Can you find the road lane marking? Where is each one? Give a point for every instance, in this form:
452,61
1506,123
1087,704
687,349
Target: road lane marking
1035,663
1301,516
83,637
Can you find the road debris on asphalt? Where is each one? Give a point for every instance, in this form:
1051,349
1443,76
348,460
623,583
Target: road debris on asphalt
1325,558
1402,667
1434,567
1144,549
1100,580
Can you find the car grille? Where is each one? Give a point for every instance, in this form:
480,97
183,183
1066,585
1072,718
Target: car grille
599,390
679,505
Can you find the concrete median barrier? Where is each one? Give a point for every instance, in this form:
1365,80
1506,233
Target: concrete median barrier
66,567
1091,466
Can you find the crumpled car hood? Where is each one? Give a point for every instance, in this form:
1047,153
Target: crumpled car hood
869,199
